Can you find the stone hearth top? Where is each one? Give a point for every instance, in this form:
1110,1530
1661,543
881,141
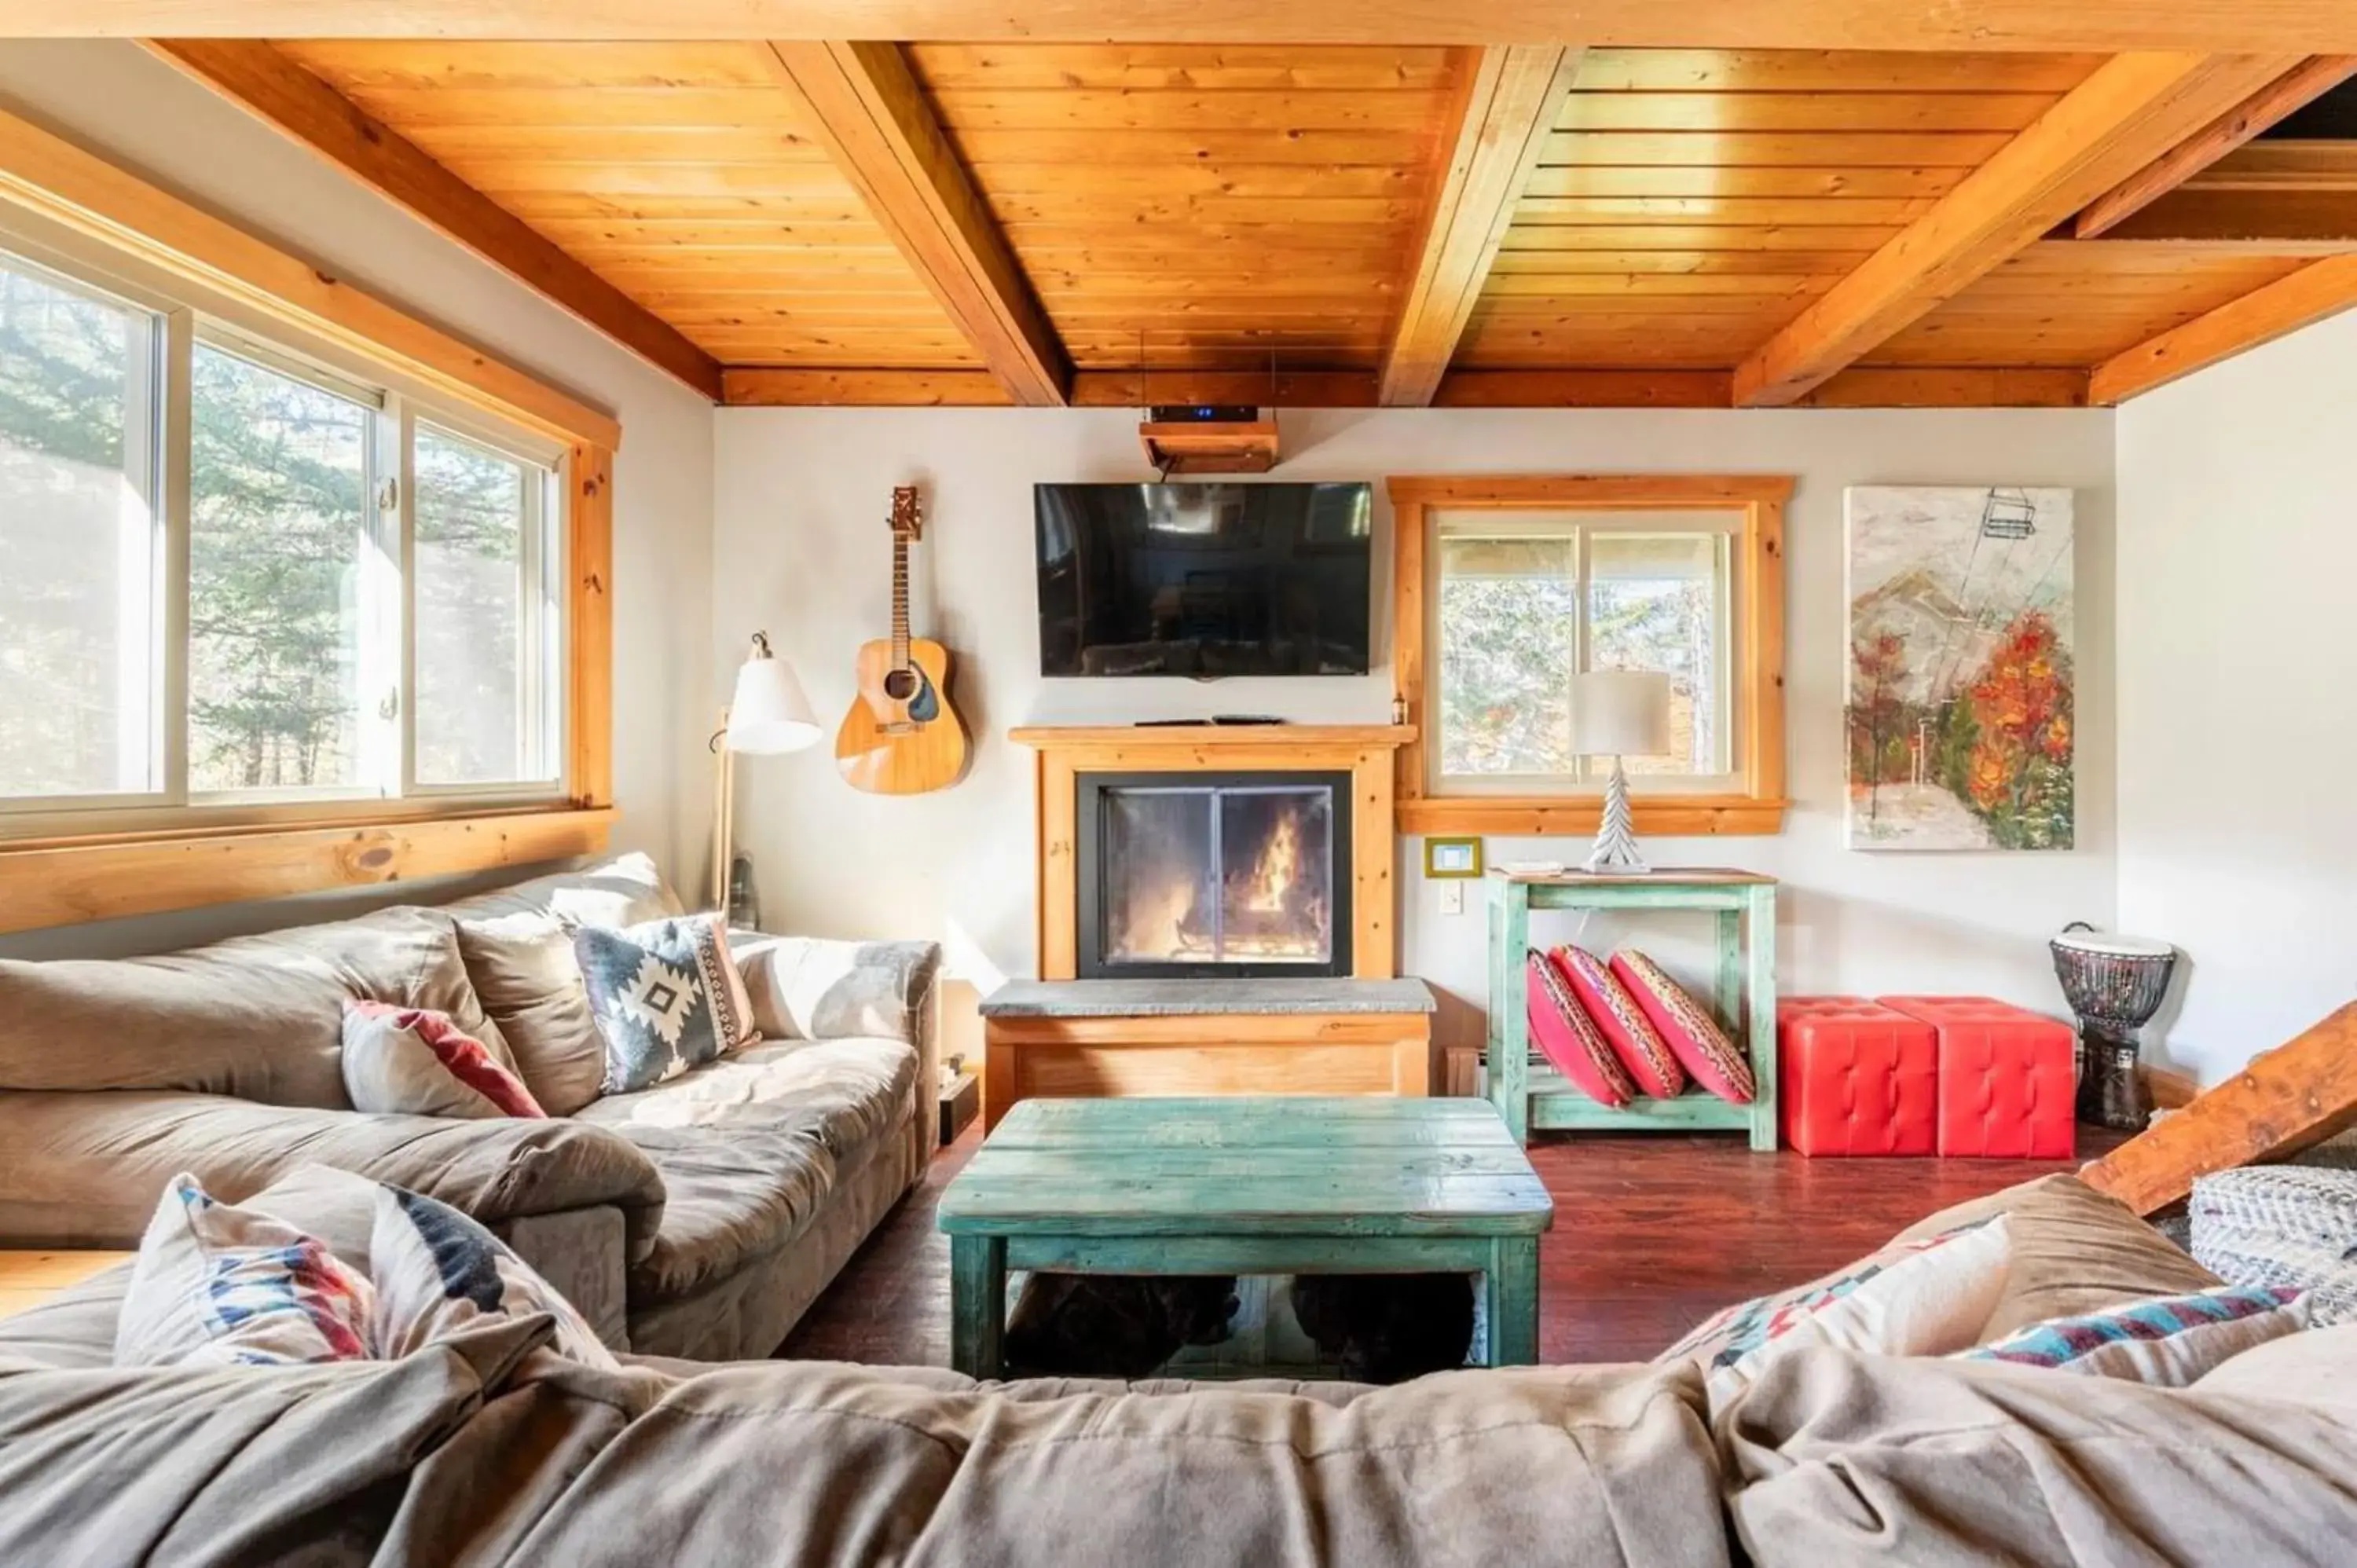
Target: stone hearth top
1175,998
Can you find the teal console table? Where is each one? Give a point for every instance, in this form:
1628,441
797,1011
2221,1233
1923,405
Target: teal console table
1538,1098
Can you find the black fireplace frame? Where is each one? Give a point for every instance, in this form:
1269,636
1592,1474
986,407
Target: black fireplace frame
1088,822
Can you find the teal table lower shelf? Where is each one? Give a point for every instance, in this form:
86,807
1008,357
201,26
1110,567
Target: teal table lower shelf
1533,1098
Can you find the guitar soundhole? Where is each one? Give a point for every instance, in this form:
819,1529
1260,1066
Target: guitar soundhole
901,684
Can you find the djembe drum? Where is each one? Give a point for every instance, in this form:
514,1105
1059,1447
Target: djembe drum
2114,985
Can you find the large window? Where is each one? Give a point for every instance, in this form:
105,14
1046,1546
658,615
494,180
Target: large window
235,580
1507,589
1522,602
80,542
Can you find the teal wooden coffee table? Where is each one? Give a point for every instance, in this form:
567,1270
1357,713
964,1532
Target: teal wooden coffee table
1245,1186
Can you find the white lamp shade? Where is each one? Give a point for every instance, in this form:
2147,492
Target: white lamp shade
1620,712
771,712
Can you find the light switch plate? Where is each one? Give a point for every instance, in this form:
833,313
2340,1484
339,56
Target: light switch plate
1452,898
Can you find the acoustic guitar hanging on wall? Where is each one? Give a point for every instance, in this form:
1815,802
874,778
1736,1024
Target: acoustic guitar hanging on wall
901,736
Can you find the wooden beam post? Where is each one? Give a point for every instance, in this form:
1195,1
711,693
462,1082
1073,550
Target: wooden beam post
2297,87
885,137
2202,221
2131,109
2315,292
1512,96
2286,1099
281,94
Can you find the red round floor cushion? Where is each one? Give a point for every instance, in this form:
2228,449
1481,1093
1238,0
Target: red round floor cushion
1640,1050
1566,1036
1691,1031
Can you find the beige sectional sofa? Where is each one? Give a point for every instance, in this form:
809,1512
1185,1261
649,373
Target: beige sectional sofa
698,1218
485,1449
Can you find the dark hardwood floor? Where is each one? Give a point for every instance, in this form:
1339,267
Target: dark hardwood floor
1652,1235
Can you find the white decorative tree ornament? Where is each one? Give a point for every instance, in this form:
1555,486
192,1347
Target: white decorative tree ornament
1616,837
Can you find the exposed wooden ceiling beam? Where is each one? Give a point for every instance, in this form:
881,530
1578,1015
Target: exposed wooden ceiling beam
2252,222
2297,87
2315,292
1911,387
1512,96
2291,27
281,94
2132,108
885,137
2282,164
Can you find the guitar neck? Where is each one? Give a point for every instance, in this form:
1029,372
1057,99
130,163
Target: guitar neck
899,601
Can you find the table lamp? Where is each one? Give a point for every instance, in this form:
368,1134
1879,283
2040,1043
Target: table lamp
769,715
1616,714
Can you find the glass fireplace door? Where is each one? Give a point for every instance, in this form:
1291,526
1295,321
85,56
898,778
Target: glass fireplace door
1214,877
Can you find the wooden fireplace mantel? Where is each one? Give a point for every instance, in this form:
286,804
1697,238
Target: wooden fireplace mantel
1364,751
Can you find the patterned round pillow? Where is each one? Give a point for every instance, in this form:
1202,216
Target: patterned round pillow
1693,1036
2289,1226
1568,1038
1634,1039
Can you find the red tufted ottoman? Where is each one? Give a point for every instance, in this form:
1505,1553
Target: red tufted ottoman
1856,1078
2007,1077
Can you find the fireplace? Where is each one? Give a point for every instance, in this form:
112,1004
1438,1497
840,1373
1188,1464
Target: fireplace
1204,874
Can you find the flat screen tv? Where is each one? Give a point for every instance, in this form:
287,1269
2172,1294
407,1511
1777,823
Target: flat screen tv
1204,581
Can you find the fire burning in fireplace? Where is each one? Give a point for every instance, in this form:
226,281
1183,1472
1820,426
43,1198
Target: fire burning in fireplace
1266,900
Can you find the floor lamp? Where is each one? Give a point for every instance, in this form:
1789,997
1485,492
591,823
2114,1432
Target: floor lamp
769,715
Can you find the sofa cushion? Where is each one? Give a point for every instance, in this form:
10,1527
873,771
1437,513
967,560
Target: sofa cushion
2074,1251
439,1275
808,988
1836,1458
215,1284
87,1168
1607,1465
750,1146
407,1061
624,891
1925,1297
2318,1368
2167,1342
2281,1225
259,1017
666,996
523,968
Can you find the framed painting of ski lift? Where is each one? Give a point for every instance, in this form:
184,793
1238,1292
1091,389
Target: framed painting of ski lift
1958,703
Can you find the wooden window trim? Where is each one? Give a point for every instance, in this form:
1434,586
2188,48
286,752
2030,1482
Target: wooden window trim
48,175
66,880
1759,677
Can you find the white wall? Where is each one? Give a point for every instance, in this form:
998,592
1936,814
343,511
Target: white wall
117,100
801,548
2238,682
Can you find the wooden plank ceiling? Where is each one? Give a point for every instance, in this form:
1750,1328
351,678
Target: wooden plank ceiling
1044,222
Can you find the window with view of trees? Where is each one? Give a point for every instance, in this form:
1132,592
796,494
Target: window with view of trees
1520,605
79,542
293,587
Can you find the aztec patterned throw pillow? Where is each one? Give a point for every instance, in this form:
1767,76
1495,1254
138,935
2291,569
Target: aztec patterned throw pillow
666,997
417,1062
2169,1342
219,1286
438,1271
1916,1298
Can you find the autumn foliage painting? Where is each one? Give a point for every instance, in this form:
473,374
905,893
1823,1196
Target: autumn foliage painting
1960,685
